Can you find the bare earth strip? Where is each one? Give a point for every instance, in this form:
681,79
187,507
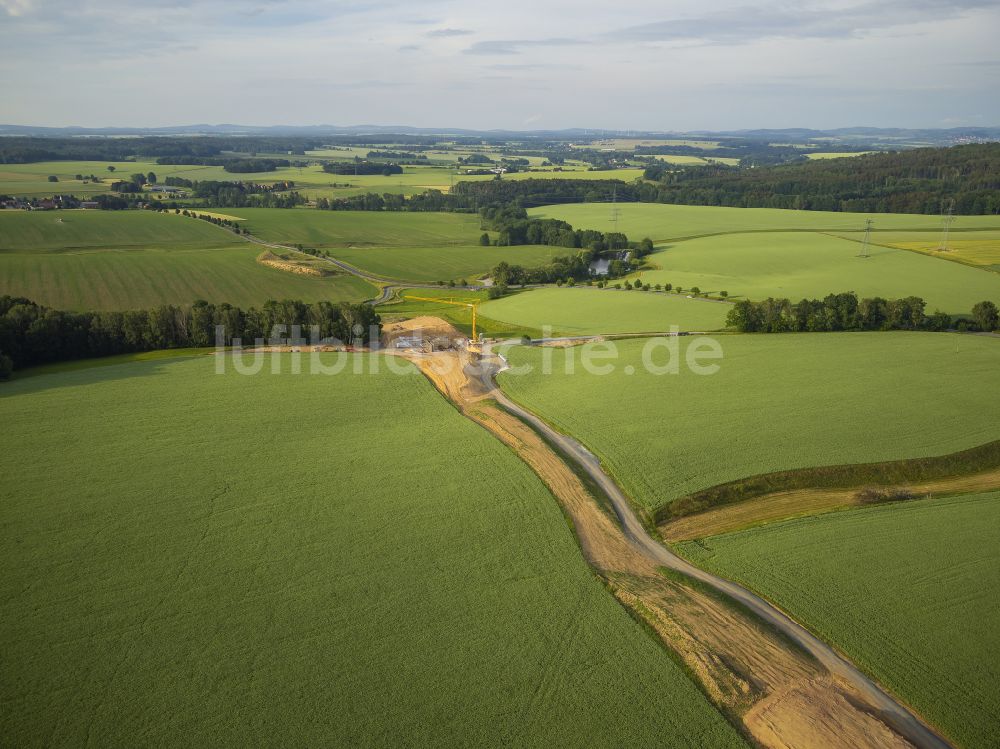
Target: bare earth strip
799,502
777,692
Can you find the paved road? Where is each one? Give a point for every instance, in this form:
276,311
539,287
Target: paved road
893,713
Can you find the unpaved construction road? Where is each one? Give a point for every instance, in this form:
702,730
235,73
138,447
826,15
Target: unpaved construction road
782,700
895,715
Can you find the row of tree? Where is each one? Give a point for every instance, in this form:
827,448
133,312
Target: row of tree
846,312
515,227
923,180
32,334
229,164
359,167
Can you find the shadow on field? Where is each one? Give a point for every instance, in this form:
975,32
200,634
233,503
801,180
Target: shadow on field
87,372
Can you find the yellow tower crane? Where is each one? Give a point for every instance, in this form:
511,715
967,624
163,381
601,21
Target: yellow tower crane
456,303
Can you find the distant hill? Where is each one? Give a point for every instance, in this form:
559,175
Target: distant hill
870,137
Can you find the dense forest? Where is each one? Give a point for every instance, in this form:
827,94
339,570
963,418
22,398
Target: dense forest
922,180
536,192
233,164
31,334
359,167
26,150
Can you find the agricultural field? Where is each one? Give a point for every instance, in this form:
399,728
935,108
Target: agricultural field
665,223
31,180
797,264
581,310
665,436
139,279
329,229
444,263
423,247
909,591
299,597
835,154
112,260
81,231
980,248
758,253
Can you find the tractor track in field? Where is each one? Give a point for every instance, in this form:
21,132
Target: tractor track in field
777,682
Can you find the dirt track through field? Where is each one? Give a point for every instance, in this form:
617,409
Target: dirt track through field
780,684
797,502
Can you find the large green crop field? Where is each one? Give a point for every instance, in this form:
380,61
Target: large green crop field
430,264
911,592
409,246
777,402
329,229
76,231
759,252
663,223
132,280
582,310
373,570
797,265
113,260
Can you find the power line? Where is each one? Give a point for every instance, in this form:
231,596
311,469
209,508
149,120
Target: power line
615,210
947,219
866,244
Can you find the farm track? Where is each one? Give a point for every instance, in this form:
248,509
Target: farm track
783,686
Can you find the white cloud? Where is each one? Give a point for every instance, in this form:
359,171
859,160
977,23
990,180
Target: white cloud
639,64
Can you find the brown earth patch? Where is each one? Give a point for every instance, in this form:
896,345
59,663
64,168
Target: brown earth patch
271,260
801,502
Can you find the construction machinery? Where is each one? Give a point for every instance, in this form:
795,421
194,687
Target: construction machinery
474,339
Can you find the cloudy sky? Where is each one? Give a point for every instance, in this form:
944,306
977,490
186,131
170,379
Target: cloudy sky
518,64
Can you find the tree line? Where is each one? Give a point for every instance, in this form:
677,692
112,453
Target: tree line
359,167
471,196
515,227
845,312
30,149
229,164
32,334
922,180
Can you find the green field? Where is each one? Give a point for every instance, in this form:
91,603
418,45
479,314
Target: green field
372,570
797,265
909,591
761,252
329,229
409,246
31,180
835,154
582,310
112,260
431,264
76,231
778,402
133,280
663,223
